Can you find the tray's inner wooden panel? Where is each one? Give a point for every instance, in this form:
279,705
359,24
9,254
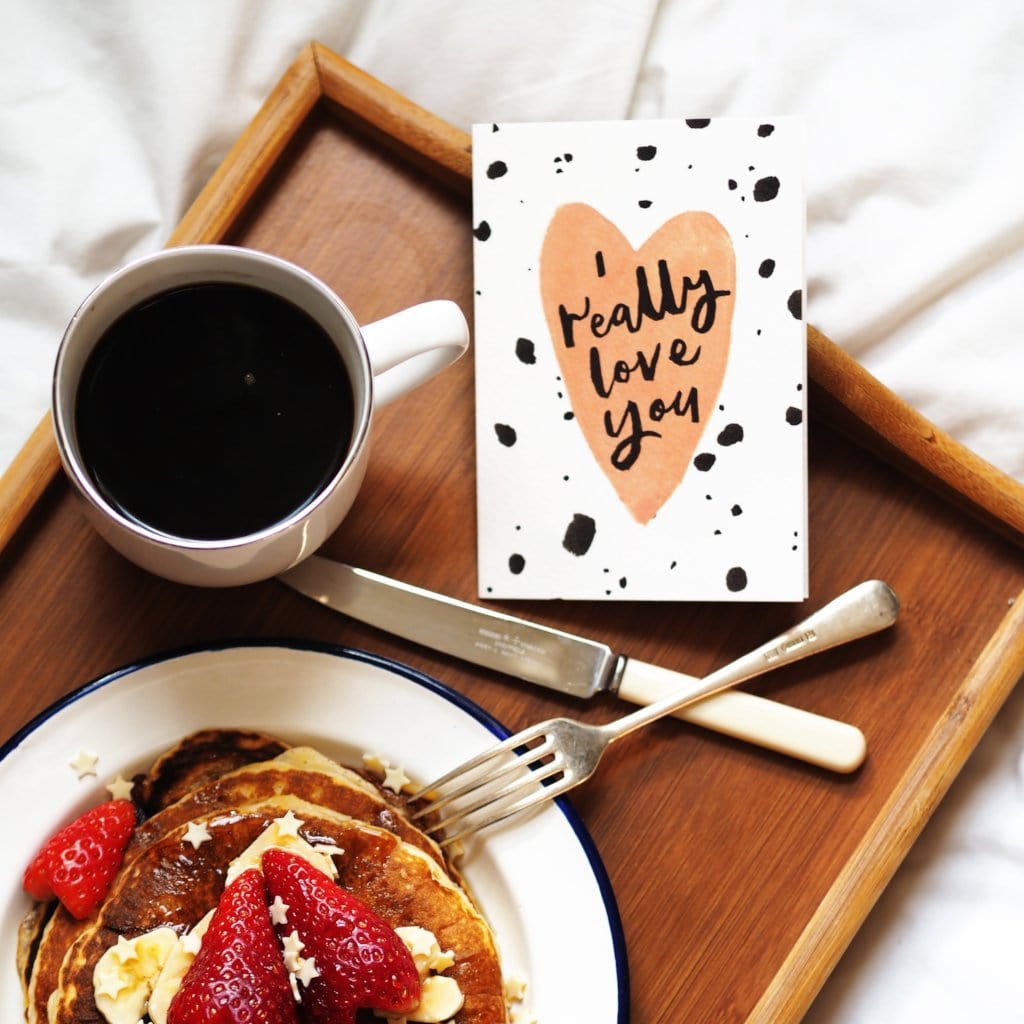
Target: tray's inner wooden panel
718,853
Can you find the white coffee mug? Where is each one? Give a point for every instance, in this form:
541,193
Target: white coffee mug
383,360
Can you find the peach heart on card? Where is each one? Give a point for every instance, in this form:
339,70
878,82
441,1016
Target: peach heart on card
642,338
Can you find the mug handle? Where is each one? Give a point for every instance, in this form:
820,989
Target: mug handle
407,348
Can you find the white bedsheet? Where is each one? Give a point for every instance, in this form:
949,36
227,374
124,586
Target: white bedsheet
114,114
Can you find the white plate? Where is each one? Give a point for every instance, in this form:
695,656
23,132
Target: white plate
539,881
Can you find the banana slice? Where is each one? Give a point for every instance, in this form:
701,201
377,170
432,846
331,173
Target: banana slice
126,973
282,832
440,999
174,970
440,996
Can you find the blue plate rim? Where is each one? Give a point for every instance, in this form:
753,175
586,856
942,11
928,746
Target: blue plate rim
428,682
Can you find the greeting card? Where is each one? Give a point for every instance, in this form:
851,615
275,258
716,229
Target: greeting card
640,360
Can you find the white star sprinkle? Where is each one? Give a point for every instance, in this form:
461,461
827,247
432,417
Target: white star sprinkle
307,971
329,850
395,778
196,834
120,788
295,987
288,825
111,985
125,950
278,911
293,947
515,988
85,763
419,941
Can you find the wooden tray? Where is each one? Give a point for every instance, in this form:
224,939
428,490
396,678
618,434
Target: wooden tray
740,875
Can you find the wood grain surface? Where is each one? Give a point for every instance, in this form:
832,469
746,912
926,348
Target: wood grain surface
740,875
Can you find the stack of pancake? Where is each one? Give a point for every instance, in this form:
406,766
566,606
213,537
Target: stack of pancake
235,784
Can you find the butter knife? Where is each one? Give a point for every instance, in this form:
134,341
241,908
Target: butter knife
576,665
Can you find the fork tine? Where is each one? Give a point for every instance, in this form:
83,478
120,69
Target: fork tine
489,796
506,807
482,776
485,757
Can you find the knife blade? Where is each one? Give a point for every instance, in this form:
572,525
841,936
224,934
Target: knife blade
570,664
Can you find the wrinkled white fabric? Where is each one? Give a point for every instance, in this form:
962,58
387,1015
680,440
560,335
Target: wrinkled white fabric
114,113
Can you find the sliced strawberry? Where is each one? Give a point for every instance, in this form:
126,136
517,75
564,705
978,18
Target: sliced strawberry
360,961
78,864
238,974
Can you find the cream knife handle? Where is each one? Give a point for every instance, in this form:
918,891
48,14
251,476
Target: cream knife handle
745,716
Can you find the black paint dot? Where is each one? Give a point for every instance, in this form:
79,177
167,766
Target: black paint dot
644,204
673,565
494,127
795,303
525,351
568,415
732,184
482,231
764,130
732,433
622,582
718,533
794,416
579,534
765,189
698,122
736,579
505,434
736,510
498,169
516,564
568,158
646,152
704,461
766,268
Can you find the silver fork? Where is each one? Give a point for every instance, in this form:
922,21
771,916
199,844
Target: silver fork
554,756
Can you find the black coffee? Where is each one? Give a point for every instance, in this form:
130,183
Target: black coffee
213,411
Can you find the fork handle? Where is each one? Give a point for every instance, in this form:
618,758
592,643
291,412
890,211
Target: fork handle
807,736
860,611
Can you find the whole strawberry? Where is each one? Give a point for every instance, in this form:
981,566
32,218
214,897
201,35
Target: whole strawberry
78,864
359,960
238,975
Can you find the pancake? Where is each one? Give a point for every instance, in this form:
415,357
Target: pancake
199,758
302,772
194,761
166,881
171,884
